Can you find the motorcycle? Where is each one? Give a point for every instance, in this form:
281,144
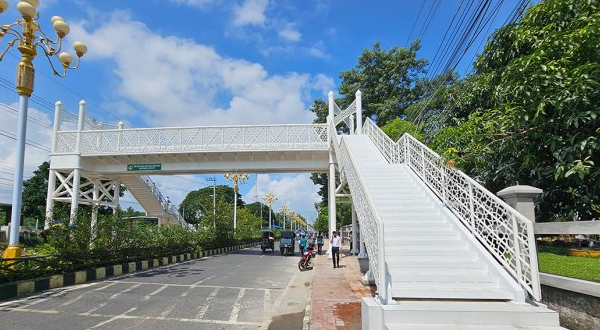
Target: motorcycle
307,254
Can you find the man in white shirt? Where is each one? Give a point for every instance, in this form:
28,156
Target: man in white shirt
336,243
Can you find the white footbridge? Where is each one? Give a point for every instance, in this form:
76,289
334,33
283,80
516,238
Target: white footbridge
444,252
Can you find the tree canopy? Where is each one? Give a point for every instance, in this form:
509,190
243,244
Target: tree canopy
528,114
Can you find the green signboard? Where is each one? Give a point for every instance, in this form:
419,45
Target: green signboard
143,167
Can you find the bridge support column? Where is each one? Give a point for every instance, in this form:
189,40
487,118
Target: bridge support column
117,196
75,196
358,112
95,201
52,173
50,199
362,254
77,171
354,250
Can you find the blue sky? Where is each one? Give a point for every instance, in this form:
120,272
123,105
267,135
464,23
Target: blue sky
158,63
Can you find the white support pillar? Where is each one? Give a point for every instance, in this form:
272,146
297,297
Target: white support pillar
49,199
362,253
331,174
94,222
77,171
51,173
117,196
358,112
354,240
352,131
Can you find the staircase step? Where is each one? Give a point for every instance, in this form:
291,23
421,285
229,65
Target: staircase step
450,293
391,259
441,251
438,265
434,279
421,222
435,271
403,232
490,313
432,286
426,244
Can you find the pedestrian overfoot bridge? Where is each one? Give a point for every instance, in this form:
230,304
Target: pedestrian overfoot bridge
444,252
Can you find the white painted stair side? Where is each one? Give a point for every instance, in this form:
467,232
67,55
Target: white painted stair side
427,256
144,196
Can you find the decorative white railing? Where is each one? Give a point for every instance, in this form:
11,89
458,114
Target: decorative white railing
167,206
345,114
388,148
194,139
372,227
504,232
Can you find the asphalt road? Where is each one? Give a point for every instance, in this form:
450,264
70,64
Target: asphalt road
247,289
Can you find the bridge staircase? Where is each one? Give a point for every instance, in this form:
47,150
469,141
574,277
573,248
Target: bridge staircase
146,193
444,252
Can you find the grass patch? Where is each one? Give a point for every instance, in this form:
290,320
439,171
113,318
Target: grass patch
553,261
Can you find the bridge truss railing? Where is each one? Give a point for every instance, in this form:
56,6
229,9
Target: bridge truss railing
193,139
504,232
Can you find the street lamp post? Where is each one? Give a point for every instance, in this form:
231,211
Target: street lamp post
29,37
214,196
270,198
236,177
284,210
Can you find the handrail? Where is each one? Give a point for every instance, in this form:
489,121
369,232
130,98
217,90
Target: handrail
194,139
372,225
167,206
504,232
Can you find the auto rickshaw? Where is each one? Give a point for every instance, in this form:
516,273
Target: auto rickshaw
268,241
287,242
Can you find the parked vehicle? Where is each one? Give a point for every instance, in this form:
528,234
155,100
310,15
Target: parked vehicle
268,241
307,254
287,242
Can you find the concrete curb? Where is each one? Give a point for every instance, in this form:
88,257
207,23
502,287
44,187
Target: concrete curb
308,307
27,287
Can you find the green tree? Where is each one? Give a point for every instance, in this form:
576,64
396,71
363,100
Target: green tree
198,204
529,113
386,79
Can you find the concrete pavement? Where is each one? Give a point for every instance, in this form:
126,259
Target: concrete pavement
337,293
246,289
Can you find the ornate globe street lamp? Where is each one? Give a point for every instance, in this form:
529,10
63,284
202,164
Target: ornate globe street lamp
284,209
270,198
236,177
27,34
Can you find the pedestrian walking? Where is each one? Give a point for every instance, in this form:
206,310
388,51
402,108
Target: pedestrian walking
319,243
336,243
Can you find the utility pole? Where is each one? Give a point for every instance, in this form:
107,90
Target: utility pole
214,181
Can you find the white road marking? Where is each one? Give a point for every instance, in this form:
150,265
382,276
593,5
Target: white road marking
204,308
136,317
236,306
146,297
67,303
114,296
267,307
116,317
206,279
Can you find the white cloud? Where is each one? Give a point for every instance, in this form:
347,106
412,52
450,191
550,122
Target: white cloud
37,132
251,12
193,3
290,34
179,82
297,191
318,50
